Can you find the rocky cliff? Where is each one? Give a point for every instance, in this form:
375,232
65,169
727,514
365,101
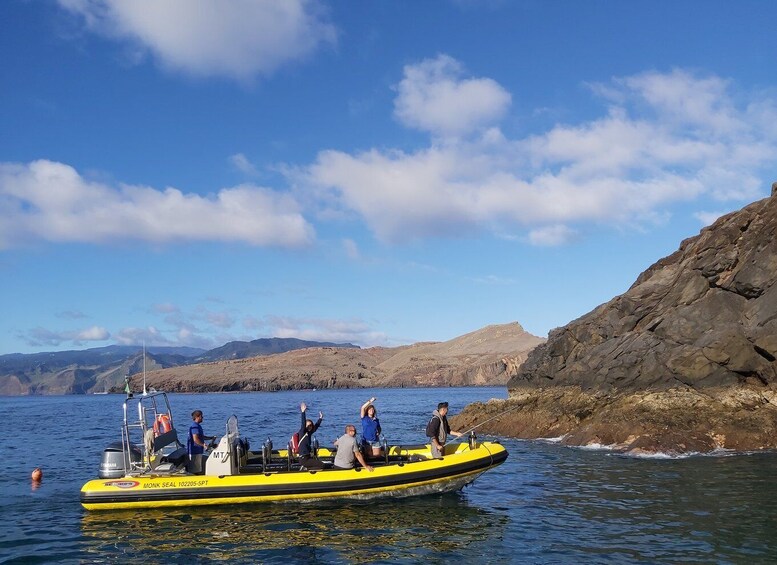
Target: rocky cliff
682,361
489,356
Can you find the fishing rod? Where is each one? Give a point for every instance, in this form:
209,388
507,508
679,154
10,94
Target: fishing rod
473,428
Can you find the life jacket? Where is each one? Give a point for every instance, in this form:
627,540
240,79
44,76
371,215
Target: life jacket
162,424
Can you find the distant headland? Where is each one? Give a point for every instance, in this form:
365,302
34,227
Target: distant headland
489,356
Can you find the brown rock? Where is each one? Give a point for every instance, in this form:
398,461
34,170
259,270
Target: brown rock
683,361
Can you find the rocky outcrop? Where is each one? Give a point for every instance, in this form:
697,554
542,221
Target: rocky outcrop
682,361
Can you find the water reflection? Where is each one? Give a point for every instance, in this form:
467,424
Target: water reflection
413,529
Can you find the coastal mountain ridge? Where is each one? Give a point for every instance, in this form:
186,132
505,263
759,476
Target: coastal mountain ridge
489,356
263,346
102,369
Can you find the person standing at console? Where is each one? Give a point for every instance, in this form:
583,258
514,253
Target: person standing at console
195,444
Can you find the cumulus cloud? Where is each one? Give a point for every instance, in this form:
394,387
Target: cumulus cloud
551,236
494,280
708,218
351,249
39,337
661,138
206,329
165,308
71,315
220,319
135,336
242,164
434,97
239,38
50,201
354,331
153,336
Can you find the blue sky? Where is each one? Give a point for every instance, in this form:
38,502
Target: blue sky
382,173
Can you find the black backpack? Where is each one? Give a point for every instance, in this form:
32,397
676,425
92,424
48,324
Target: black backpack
430,431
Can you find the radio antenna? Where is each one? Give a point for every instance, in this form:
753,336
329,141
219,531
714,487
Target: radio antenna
144,368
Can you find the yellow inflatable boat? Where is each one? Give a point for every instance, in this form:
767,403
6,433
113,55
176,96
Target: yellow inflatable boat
155,472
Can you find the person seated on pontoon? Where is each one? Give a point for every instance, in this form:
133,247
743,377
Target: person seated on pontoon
348,451
195,444
305,448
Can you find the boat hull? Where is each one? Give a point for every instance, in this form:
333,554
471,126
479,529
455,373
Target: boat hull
403,479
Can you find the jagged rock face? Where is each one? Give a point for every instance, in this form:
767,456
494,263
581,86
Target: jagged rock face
683,361
704,317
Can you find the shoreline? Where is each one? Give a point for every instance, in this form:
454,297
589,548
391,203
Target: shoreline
673,421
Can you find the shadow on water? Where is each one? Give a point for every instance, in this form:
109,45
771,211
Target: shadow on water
432,529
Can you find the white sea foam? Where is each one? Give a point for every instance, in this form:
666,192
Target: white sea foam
658,455
597,447
619,450
558,439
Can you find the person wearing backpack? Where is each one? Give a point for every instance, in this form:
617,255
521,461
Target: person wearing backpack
304,449
438,429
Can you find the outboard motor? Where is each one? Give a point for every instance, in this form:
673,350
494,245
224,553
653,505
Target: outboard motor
114,461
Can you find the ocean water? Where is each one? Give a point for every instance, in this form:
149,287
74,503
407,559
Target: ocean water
547,504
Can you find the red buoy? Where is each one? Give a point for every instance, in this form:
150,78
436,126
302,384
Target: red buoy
37,474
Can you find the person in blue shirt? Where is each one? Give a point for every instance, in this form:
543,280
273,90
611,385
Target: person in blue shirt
195,443
305,448
370,429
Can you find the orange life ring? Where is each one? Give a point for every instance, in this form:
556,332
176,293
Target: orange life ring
162,424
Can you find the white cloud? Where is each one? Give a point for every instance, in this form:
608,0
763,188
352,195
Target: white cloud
253,323
149,335
219,319
708,218
39,336
494,280
650,148
551,236
682,98
95,333
351,249
165,308
50,201
71,315
354,331
242,164
239,38
433,97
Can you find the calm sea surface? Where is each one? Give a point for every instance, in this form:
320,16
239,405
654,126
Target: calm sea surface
546,504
